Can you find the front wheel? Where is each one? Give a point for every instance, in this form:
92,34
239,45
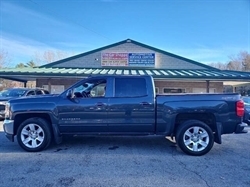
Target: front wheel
34,134
195,137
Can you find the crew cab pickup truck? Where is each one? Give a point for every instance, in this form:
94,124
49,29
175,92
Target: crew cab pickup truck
124,105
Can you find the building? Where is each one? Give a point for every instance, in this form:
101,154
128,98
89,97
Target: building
172,73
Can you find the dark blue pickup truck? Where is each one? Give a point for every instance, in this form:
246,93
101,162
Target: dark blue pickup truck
124,105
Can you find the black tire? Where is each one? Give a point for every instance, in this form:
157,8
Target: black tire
34,134
195,137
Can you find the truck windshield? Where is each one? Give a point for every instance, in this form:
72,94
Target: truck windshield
12,93
85,87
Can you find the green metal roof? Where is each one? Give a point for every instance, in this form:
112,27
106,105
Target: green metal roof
26,73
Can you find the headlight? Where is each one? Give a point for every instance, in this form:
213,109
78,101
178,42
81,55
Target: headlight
7,110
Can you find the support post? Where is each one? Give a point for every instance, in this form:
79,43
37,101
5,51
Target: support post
207,83
49,85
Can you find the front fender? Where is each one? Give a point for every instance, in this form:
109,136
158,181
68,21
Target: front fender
46,110
42,107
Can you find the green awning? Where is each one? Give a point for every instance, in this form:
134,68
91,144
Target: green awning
27,73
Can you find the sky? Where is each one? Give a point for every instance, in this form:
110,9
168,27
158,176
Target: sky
206,31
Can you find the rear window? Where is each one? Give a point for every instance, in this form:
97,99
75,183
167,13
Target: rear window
130,87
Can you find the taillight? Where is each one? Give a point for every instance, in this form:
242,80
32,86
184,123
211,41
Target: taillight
240,108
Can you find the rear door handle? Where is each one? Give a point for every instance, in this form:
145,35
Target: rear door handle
144,103
99,104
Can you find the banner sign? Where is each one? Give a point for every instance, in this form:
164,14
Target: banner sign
114,59
141,59
128,59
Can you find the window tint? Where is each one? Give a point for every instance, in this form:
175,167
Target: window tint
46,91
91,88
130,87
98,91
13,93
31,93
39,92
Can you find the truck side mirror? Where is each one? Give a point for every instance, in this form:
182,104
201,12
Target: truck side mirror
69,94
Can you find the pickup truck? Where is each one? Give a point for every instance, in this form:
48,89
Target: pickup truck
124,105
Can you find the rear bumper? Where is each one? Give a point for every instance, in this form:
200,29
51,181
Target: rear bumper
8,126
240,128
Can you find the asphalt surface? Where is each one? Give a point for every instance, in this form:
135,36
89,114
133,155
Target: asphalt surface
125,161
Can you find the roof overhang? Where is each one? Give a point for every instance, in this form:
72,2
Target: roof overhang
236,83
27,74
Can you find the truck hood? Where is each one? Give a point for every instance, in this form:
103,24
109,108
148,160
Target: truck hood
36,99
6,98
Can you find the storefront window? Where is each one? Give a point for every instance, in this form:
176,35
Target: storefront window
173,90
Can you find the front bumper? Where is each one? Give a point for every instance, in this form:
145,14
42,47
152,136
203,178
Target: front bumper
8,126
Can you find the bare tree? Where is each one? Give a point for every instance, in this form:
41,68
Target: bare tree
4,58
50,56
234,65
20,65
218,65
240,62
244,58
31,64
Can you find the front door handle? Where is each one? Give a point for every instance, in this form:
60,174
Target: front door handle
99,104
144,103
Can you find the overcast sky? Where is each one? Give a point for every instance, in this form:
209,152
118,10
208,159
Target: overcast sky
202,30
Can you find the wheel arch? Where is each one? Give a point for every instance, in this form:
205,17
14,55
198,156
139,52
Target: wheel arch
194,139
20,118
34,134
207,118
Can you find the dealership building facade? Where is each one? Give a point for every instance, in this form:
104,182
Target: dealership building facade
171,73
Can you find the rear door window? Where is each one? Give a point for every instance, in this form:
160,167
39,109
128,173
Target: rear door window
32,92
46,91
130,87
39,92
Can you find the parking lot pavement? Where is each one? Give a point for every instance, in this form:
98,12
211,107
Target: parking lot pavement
125,161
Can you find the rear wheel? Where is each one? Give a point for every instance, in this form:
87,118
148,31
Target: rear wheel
34,134
195,138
